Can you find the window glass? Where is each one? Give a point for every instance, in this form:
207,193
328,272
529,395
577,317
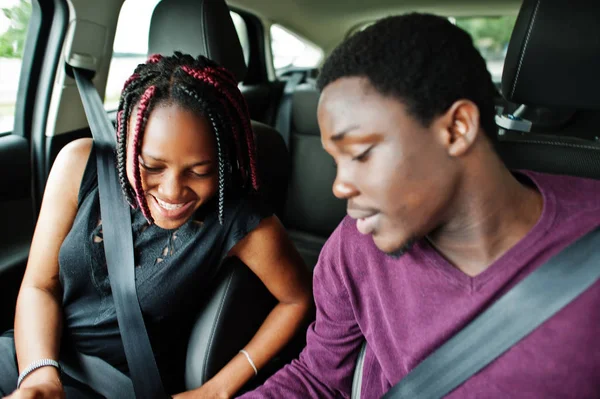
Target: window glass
491,36
291,51
130,47
242,31
14,20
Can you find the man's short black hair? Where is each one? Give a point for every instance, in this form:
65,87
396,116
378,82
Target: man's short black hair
423,60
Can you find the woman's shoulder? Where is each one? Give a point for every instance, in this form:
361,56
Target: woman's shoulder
70,165
247,205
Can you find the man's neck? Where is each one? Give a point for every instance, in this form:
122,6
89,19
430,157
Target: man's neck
492,212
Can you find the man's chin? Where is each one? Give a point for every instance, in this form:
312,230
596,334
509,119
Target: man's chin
396,251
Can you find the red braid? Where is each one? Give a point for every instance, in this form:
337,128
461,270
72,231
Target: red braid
137,145
154,58
236,133
205,76
131,79
119,123
242,108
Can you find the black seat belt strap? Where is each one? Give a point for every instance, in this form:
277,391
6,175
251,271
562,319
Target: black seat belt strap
516,314
284,116
118,246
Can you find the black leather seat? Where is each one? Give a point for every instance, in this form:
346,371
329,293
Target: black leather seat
312,212
239,302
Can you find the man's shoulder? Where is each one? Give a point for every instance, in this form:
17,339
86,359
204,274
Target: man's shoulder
568,188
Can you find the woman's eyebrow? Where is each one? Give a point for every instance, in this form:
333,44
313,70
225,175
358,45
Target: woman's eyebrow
158,159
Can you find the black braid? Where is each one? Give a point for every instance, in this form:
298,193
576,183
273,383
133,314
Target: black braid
122,154
129,96
212,116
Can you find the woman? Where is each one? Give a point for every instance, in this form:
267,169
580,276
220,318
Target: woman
186,163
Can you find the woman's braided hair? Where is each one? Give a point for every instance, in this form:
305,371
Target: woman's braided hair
199,85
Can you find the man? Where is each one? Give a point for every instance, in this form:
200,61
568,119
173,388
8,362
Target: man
437,228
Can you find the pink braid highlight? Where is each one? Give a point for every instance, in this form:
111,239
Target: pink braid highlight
137,145
133,77
154,58
245,116
119,123
200,75
242,113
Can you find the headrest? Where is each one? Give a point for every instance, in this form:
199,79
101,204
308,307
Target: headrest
304,110
553,56
197,27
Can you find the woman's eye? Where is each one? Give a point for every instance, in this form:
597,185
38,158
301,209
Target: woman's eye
150,169
201,174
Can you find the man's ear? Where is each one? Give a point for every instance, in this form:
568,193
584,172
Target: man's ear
459,127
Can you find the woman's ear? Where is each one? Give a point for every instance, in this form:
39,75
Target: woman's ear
459,127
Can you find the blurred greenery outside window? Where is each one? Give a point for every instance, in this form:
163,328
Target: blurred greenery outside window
490,36
14,21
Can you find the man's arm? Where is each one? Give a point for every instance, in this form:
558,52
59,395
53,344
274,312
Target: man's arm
325,367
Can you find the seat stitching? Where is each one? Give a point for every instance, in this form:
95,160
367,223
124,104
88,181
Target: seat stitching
537,5
558,143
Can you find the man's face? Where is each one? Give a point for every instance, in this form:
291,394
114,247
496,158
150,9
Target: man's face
396,174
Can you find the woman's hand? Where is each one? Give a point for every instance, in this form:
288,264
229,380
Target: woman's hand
44,390
206,391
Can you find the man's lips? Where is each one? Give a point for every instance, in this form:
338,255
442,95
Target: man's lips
356,213
366,219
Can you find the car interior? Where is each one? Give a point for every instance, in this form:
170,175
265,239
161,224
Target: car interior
547,105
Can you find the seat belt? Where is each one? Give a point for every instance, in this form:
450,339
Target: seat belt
118,247
284,116
511,318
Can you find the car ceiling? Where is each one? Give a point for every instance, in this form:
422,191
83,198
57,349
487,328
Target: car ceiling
327,22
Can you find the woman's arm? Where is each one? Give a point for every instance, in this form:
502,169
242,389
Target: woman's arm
38,315
270,254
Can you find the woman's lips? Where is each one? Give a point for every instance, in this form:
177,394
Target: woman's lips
171,210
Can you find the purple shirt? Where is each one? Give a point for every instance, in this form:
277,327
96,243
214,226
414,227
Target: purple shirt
407,307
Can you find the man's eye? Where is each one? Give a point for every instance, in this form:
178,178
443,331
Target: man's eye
363,155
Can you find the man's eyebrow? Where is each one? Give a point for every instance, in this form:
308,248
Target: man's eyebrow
200,163
339,136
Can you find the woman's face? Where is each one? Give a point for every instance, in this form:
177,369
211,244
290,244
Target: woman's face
178,163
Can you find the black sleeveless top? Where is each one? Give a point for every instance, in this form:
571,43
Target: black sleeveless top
174,269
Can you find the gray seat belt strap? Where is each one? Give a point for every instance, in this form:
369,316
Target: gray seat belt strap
516,314
97,374
118,247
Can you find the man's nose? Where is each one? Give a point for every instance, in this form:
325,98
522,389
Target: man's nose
343,187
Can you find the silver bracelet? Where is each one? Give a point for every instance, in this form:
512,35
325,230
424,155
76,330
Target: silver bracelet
37,365
250,361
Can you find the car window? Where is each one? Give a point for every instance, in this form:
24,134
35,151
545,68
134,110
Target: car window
130,47
292,51
242,31
491,36
14,20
